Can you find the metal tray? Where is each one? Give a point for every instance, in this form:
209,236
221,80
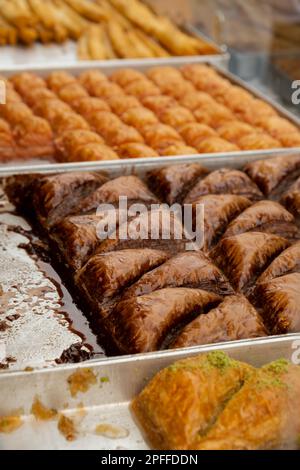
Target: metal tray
42,302
108,401
219,63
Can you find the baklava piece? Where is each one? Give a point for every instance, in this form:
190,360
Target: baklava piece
135,150
216,145
37,96
7,144
264,216
125,76
191,269
234,131
279,299
139,118
291,198
68,121
105,89
290,140
276,126
67,144
160,136
172,183
15,113
236,98
196,99
115,133
34,138
57,80
142,88
263,414
158,104
93,152
182,401
274,174
286,263
91,79
176,116
219,210
225,181
159,228
23,82
72,93
194,133
89,106
234,319
244,257
141,324
163,75
50,109
105,276
178,149
110,192
120,104
19,189
213,115
258,141
57,196
76,239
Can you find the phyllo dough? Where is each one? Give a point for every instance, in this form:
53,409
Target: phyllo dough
225,181
291,198
219,210
273,174
286,263
140,324
280,301
130,186
244,257
190,269
104,276
57,196
76,238
182,401
264,414
172,183
159,228
264,216
234,319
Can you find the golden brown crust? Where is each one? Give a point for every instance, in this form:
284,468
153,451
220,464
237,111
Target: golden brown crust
225,181
234,319
140,324
182,401
244,257
264,216
219,211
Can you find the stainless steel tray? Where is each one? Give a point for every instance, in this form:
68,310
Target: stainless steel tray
108,401
53,302
107,67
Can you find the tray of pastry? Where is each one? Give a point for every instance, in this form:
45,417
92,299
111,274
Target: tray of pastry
148,292
242,395
147,110
95,30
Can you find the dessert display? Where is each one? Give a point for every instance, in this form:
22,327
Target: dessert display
148,293
213,402
129,114
103,29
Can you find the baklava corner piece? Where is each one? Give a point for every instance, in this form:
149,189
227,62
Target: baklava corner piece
263,414
181,401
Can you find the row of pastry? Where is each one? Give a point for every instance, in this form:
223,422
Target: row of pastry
165,111
153,294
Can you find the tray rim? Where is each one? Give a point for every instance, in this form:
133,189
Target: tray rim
156,355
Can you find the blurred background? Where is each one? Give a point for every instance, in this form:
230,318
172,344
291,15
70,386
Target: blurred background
262,36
